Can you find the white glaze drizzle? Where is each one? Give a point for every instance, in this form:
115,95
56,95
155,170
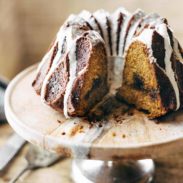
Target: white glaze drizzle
59,39
90,19
114,26
69,34
102,16
148,20
137,16
95,37
57,59
138,13
72,77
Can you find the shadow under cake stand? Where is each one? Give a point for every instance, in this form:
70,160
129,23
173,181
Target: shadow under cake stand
120,149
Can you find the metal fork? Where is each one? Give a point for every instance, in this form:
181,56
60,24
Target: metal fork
3,85
37,158
2,114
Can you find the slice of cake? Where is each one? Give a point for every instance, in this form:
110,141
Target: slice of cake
151,78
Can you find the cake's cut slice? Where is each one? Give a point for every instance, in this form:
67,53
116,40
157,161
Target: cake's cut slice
90,84
150,77
79,81
144,84
117,20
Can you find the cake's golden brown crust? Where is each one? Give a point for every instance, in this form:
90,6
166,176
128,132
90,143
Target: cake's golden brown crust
144,84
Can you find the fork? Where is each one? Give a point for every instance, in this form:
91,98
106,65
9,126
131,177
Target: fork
37,158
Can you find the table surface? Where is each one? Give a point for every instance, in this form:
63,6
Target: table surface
168,169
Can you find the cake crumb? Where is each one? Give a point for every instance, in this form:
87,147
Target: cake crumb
157,122
81,127
115,116
130,113
90,126
123,136
59,121
113,134
81,131
100,125
118,118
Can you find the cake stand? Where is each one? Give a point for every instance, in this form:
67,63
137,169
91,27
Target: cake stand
119,149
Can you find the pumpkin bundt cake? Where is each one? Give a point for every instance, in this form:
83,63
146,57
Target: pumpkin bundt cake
92,51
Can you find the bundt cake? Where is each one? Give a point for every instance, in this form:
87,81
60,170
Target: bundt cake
134,57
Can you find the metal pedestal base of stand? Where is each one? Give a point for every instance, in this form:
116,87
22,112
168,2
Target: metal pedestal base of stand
96,171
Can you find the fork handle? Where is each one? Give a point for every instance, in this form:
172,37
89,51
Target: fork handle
26,168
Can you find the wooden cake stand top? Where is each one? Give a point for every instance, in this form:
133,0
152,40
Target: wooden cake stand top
123,135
